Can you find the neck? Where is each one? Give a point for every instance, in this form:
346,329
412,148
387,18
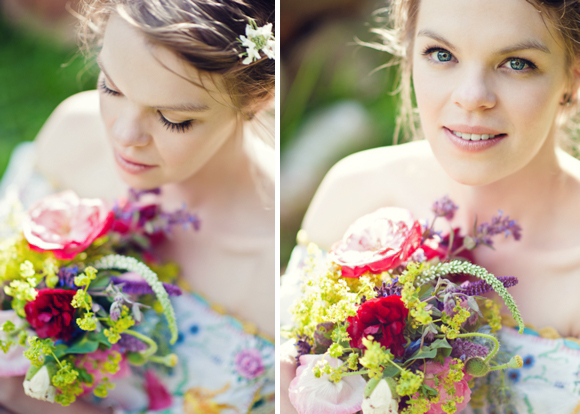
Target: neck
528,196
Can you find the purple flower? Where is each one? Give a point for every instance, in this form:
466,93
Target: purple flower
130,343
464,349
444,207
389,290
66,276
480,287
498,225
249,363
302,347
138,287
180,217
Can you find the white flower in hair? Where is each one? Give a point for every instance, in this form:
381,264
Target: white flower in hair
256,40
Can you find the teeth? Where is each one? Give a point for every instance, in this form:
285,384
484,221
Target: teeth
473,137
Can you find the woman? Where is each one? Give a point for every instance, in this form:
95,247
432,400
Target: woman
492,79
182,104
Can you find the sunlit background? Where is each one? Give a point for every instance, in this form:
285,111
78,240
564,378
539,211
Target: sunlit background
39,67
334,102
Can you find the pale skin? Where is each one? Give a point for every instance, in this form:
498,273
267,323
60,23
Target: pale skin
230,261
462,77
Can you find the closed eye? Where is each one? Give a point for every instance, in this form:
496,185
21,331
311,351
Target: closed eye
176,126
102,85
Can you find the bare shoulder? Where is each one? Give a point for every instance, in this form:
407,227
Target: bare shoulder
361,183
72,148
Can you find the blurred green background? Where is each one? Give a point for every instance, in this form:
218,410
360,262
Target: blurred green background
39,67
334,100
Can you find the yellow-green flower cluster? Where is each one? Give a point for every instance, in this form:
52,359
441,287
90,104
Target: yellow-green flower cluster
327,296
418,405
111,365
409,383
14,252
38,349
65,380
492,313
116,328
375,357
335,375
88,322
452,324
410,295
454,375
102,390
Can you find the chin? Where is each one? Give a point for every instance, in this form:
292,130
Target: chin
472,177
138,182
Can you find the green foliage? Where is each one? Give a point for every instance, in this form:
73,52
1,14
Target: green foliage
36,75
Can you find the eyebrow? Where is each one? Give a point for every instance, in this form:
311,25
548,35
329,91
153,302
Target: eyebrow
524,45
185,107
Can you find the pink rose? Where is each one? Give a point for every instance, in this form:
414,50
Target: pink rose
434,369
93,363
377,242
66,224
13,363
311,395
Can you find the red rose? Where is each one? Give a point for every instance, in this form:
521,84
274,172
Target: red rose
377,242
384,319
51,315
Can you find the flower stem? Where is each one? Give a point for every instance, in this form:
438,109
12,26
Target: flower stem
152,348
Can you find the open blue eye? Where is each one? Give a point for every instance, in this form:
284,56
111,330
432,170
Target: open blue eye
443,55
519,64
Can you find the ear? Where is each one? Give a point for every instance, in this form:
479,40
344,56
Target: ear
575,79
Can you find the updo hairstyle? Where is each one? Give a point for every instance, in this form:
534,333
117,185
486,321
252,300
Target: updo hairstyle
203,33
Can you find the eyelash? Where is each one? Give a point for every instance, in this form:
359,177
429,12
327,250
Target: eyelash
171,126
175,127
429,50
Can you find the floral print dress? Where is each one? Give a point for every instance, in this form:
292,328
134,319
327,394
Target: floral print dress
224,365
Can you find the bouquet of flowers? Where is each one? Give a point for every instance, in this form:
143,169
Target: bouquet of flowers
393,319
75,277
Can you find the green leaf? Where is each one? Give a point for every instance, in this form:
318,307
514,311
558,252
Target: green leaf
431,351
428,391
390,371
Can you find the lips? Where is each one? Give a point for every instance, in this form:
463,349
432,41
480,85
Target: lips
131,166
473,139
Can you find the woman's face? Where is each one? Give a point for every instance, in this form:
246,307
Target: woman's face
162,127
489,76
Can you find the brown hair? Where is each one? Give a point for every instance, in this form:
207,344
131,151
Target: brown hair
204,33
397,39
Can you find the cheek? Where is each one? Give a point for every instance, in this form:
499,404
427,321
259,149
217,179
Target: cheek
431,93
532,106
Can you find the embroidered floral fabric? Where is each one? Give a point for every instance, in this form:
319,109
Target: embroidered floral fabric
224,366
548,383
221,368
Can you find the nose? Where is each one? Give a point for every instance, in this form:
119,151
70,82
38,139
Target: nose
128,129
474,91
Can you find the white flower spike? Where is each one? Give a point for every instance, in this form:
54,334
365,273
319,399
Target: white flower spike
256,40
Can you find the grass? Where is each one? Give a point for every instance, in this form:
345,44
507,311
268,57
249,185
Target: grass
36,74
